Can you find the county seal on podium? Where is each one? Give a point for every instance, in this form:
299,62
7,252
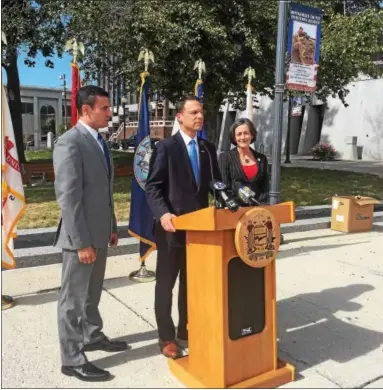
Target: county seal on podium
257,237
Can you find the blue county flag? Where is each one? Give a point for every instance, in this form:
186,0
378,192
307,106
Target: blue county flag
141,218
198,91
12,191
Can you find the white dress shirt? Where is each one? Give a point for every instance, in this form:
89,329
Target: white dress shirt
187,139
94,134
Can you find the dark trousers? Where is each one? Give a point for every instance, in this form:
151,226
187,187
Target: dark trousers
171,261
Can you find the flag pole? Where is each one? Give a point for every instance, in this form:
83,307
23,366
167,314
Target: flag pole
143,275
76,48
143,147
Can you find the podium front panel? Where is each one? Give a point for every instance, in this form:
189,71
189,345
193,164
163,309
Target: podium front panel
246,299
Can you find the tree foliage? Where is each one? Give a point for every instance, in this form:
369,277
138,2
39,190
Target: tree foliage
31,27
228,35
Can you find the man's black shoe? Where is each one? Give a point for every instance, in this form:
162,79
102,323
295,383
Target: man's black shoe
107,345
87,372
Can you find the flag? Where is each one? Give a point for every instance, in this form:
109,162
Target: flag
76,84
198,91
141,218
13,200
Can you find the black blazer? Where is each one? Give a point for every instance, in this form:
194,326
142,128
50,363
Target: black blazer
231,171
171,186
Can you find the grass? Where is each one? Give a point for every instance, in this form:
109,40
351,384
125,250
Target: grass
304,186
43,156
38,156
311,187
43,210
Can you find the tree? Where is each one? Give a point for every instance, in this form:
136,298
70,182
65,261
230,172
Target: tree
30,26
228,35
225,34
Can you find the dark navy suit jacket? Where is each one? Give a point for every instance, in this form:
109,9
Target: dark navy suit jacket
171,186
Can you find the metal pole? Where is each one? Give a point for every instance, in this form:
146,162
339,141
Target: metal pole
65,108
123,110
278,108
288,135
223,125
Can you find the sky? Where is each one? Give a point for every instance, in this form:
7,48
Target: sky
42,76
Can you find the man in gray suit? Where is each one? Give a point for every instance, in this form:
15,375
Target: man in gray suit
84,192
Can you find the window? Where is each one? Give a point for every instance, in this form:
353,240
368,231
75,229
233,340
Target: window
27,108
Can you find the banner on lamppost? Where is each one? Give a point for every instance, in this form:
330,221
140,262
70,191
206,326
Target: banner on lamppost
296,109
303,47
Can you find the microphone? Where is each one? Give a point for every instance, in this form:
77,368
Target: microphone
246,194
219,188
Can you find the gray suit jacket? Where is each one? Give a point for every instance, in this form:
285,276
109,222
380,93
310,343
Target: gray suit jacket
84,191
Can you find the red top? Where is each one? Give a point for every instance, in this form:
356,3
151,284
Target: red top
250,170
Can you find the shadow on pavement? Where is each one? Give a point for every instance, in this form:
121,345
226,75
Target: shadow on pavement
304,250
310,333
126,356
37,299
289,241
120,281
138,337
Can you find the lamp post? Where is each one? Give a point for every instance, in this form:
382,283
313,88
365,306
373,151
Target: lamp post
62,77
278,105
123,102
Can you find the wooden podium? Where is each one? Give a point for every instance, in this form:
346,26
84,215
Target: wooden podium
223,352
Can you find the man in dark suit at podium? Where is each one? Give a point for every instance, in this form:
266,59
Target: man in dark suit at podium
180,172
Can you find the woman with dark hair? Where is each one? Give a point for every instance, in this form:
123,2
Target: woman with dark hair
243,165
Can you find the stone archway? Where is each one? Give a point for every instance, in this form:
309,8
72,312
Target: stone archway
47,120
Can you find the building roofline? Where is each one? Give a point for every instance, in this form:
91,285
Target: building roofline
40,88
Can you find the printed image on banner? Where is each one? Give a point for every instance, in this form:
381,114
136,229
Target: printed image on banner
303,47
296,109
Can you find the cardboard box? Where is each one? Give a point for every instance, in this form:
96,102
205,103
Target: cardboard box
352,213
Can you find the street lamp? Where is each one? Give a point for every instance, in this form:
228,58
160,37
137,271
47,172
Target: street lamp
62,77
124,100
278,105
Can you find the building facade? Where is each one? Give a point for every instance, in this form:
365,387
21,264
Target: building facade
358,127
44,110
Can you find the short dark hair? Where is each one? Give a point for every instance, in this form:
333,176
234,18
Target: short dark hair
181,103
240,122
87,95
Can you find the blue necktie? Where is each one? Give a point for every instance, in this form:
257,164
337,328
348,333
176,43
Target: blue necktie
106,151
194,159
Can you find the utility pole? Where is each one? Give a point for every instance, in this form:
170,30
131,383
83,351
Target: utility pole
62,77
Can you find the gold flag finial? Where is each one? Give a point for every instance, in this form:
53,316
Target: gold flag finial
250,73
76,48
147,56
200,66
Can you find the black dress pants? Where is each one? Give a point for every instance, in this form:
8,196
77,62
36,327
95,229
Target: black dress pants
171,261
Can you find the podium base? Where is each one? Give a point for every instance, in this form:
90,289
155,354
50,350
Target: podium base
7,302
284,373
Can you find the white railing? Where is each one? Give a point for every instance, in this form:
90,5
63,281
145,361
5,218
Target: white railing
116,134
